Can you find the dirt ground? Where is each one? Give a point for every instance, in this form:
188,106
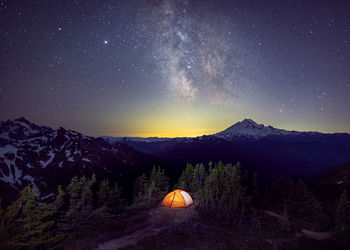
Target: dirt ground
160,218
167,228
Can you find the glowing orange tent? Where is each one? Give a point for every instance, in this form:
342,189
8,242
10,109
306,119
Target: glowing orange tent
177,199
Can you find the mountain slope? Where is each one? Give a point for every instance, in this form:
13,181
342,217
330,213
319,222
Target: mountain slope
265,149
46,158
339,176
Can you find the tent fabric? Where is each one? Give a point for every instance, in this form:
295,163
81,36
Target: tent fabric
177,199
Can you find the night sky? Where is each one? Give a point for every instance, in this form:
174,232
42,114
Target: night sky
175,68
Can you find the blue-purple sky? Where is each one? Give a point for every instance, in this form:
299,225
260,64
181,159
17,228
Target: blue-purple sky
175,68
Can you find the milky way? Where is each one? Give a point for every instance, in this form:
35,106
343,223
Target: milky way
197,58
175,68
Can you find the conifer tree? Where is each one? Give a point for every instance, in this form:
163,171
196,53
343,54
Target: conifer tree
186,179
76,220
221,192
59,204
140,188
304,208
60,199
27,222
152,190
87,196
103,192
74,193
279,193
114,201
158,185
199,174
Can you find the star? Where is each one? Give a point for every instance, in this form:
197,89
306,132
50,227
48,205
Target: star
179,53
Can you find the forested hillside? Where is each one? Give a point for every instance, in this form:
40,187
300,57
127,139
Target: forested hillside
87,212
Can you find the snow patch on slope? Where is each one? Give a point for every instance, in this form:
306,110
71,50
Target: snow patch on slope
45,163
14,173
86,159
5,135
7,149
68,155
28,129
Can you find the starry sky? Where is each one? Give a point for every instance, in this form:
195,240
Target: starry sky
175,68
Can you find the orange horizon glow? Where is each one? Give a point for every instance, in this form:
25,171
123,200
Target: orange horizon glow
181,119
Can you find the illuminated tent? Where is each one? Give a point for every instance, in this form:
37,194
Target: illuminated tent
177,199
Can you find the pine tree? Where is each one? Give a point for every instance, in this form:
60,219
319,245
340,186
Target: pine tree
152,188
59,202
58,208
74,192
199,174
114,201
158,185
210,166
279,193
87,196
150,191
162,182
140,188
27,222
76,220
68,221
186,179
304,208
103,192
222,193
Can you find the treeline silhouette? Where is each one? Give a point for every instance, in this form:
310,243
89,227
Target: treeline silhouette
223,197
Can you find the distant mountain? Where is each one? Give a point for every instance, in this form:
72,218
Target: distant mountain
45,158
249,128
132,139
265,149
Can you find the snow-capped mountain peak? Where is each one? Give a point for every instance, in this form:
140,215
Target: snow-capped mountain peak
248,123
20,129
249,128
36,154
